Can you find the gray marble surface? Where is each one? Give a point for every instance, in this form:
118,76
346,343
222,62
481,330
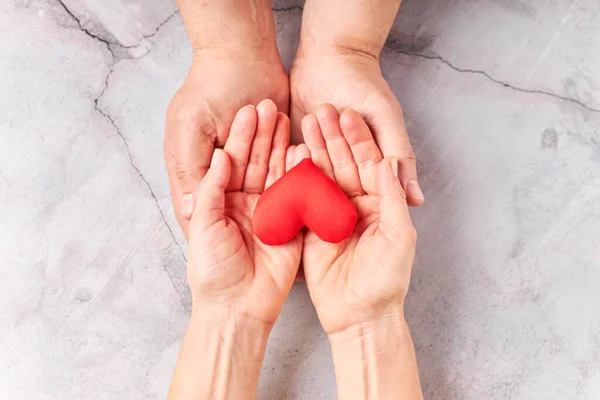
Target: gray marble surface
502,103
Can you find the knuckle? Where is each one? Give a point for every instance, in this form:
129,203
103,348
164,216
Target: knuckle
275,166
341,165
408,156
183,175
402,196
366,164
188,173
403,236
410,232
257,158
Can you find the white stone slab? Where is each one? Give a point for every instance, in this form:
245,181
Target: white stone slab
501,103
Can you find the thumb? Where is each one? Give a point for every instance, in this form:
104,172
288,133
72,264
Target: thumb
210,198
395,222
188,148
191,159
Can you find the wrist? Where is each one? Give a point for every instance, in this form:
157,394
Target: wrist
377,326
230,28
360,30
337,45
234,342
376,359
239,51
221,356
242,337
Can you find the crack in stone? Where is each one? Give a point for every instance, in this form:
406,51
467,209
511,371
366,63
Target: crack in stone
105,87
139,173
148,36
120,134
110,43
496,81
87,31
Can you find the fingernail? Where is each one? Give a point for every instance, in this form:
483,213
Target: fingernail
188,205
414,190
394,165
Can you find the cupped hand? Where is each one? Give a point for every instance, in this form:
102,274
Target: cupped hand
354,81
201,113
228,266
365,277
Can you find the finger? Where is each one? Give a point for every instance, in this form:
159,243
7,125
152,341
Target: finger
289,158
395,222
188,147
210,203
239,143
363,147
344,167
301,153
390,134
258,163
281,140
313,137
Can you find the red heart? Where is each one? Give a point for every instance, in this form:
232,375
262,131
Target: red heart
304,196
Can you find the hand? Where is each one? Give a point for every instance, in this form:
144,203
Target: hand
200,114
365,277
228,266
354,80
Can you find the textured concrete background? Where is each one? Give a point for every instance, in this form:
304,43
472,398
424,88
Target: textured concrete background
502,103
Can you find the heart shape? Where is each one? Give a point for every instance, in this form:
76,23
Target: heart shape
304,196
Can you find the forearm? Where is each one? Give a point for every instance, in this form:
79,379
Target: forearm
220,358
232,25
360,26
376,361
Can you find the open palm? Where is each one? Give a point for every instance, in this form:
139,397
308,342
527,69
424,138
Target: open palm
355,82
228,264
360,277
